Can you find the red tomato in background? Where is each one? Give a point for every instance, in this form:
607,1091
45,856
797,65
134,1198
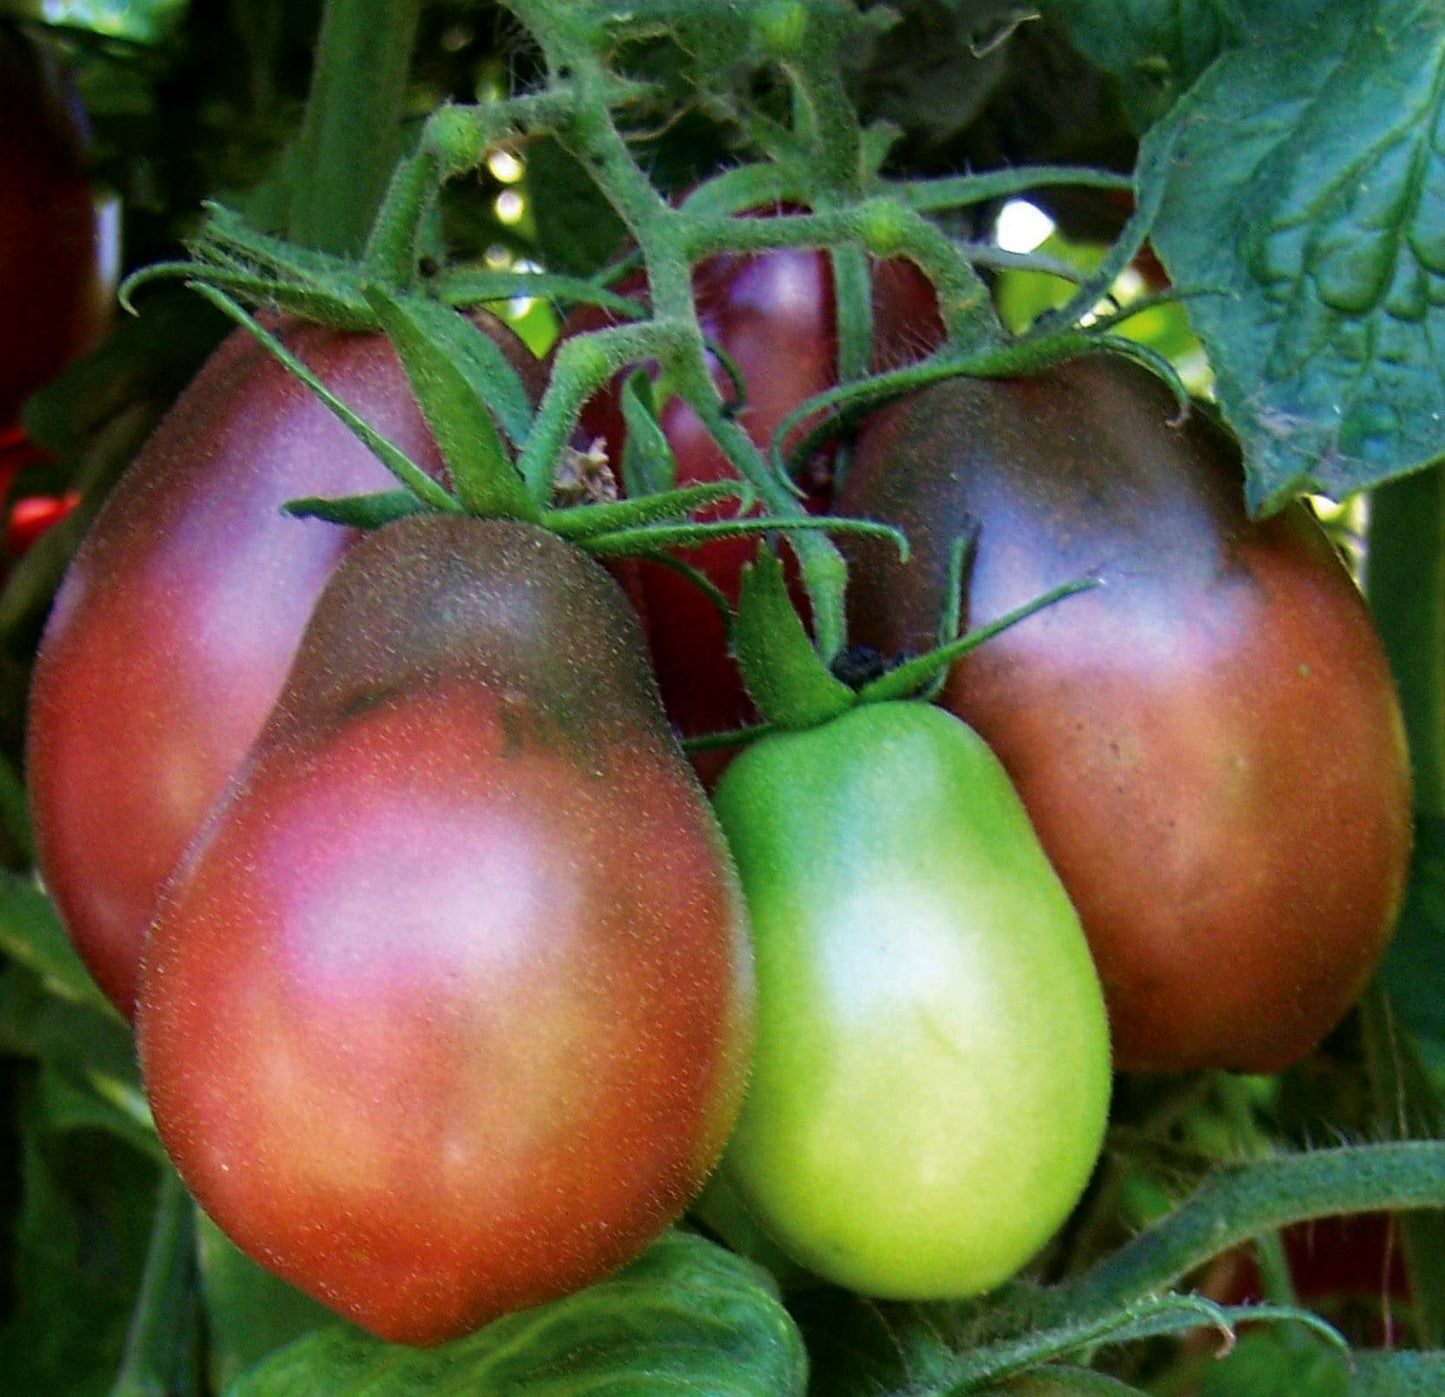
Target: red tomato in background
1349,1268
56,272
178,617
32,515
773,313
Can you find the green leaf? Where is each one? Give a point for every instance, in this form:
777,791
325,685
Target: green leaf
164,1340
85,1055
648,465
250,1313
852,1349
577,229
1156,47
461,379
1398,1375
1278,1363
787,680
1414,968
79,1250
147,22
934,69
1304,213
685,1318
32,934
357,511
1064,1380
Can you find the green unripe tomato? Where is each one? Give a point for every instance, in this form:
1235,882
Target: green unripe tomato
931,1078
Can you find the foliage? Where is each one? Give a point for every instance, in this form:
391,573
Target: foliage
1283,163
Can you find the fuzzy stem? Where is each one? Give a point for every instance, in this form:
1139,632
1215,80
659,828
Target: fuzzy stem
1242,1201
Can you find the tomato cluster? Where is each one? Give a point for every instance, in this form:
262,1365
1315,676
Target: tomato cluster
450,986
1209,743
773,316
437,888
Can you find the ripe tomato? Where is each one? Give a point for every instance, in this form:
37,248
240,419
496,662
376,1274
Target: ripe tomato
931,1079
1209,744
177,620
55,280
447,1012
773,313
33,515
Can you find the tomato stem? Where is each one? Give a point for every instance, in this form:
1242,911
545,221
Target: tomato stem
352,130
1241,1201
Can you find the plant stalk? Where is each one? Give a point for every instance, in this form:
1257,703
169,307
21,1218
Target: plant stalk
351,136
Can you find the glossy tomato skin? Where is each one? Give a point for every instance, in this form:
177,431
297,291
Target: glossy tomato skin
448,1011
1209,744
53,276
931,1079
176,621
773,313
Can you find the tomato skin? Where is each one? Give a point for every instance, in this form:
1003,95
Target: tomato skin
178,617
448,1011
1209,745
54,282
773,313
931,1079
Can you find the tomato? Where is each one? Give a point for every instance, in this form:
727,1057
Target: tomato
1349,1268
175,624
773,314
54,268
448,1010
931,1078
33,515
1209,744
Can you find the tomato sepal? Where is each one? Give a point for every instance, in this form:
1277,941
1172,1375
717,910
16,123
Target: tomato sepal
365,512
785,676
392,457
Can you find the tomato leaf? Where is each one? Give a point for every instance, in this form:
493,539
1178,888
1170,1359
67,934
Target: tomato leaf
31,934
577,229
787,680
1402,1374
1414,967
465,388
1301,213
1157,47
250,1313
685,1317
84,1055
75,1251
1053,1380
1278,1362
853,1349
648,465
